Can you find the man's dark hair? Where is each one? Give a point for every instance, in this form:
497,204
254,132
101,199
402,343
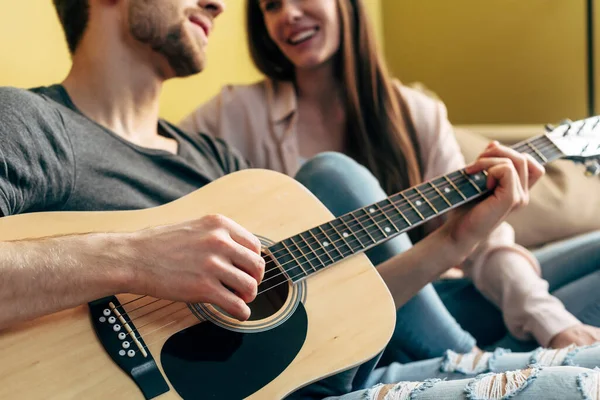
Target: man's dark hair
73,15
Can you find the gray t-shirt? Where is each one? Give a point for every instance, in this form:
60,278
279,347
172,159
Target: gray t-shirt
53,158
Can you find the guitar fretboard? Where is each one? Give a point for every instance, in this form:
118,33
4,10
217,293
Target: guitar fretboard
315,249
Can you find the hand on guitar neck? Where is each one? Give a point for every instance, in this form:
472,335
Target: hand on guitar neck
510,174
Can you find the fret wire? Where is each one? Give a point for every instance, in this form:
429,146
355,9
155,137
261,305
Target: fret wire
313,251
301,252
450,182
455,187
357,238
537,152
412,205
470,180
368,212
342,237
386,217
399,212
549,146
363,227
352,232
294,257
596,123
330,241
441,194
556,149
426,200
323,248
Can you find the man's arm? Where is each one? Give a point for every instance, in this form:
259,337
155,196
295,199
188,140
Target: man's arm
195,261
43,276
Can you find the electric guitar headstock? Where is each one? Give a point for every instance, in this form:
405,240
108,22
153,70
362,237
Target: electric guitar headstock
579,141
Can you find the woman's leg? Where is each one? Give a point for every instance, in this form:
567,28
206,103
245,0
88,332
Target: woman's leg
572,269
552,383
569,260
424,328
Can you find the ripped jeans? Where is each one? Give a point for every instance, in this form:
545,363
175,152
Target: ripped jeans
567,373
343,185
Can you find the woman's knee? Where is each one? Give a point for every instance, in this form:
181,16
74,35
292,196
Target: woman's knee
332,167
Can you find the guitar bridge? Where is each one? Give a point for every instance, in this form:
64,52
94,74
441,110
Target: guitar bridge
125,346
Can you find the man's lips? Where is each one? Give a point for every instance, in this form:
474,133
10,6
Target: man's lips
202,23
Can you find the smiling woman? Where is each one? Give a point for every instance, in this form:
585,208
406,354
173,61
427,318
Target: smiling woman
37,40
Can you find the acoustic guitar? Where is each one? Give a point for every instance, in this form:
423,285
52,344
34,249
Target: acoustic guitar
322,307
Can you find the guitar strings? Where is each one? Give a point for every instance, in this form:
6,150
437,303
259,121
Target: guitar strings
312,240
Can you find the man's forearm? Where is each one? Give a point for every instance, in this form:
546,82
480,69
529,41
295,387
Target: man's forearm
44,276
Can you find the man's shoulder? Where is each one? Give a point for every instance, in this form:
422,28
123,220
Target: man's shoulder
25,102
30,115
13,97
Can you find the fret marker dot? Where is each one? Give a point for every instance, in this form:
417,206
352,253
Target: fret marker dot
477,177
371,210
447,190
387,229
418,203
345,234
325,244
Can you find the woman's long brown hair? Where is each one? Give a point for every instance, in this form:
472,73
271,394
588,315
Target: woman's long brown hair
381,134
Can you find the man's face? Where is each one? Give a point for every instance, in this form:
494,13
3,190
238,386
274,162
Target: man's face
177,29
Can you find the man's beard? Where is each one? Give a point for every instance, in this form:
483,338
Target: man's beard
152,24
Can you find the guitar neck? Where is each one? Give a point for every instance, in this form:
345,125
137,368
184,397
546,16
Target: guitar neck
317,248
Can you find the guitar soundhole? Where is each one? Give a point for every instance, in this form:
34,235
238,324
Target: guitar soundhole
272,292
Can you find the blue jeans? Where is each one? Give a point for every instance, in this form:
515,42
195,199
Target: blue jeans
424,327
572,269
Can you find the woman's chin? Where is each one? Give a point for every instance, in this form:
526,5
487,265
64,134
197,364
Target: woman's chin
308,64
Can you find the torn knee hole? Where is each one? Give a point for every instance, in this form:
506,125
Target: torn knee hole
588,384
400,391
471,363
553,357
500,386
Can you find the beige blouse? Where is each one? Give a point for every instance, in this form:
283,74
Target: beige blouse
260,121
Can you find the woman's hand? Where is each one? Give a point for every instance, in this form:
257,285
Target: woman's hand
510,175
580,335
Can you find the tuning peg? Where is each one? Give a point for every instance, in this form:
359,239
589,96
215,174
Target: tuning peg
551,127
592,168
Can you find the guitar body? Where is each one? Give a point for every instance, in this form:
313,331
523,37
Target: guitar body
336,319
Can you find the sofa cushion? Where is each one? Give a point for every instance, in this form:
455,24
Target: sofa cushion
565,202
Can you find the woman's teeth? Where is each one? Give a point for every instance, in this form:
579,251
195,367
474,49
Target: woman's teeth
302,36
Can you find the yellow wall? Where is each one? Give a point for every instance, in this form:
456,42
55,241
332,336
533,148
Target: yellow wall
33,52
514,61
